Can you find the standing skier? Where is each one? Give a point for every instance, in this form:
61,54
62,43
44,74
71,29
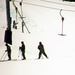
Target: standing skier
22,48
41,50
8,51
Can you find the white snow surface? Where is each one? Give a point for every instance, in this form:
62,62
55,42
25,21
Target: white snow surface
44,25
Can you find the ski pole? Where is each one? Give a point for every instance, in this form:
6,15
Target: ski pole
19,52
5,56
2,55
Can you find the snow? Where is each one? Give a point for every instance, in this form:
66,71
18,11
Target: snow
44,25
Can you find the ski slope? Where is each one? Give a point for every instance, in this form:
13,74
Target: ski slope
44,23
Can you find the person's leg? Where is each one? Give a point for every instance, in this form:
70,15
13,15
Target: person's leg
40,53
23,54
9,56
45,54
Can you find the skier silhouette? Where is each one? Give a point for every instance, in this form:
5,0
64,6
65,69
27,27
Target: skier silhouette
41,50
8,51
22,48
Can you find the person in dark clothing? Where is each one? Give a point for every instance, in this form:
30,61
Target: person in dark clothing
22,48
8,51
41,50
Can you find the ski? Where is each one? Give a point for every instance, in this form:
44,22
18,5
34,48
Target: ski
8,60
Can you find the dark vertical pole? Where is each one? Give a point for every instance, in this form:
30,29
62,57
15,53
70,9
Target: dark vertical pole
8,14
8,32
22,17
16,15
22,27
62,25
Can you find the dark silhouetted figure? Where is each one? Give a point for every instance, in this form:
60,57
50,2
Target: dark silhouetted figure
8,51
22,48
41,50
14,23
